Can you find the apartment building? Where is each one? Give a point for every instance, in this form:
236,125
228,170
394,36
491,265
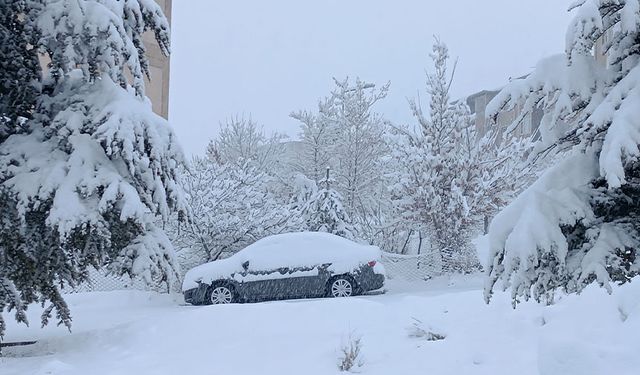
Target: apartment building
530,124
478,102
157,89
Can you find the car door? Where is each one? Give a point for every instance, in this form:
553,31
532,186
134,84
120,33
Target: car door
278,286
254,283
304,281
274,283
282,282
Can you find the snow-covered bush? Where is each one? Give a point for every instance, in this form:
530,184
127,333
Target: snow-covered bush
237,195
230,207
83,180
419,331
579,223
350,354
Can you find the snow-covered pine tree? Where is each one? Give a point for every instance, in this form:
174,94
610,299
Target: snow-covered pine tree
304,189
580,222
84,181
19,68
437,175
324,212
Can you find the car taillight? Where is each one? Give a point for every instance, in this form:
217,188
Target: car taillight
372,263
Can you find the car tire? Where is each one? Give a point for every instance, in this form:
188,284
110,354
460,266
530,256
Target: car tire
220,294
341,286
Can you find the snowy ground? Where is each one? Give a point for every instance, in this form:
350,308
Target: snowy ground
144,333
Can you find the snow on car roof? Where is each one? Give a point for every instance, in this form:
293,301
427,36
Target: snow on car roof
299,249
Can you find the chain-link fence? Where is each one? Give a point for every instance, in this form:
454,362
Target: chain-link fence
399,267
420,267
102,281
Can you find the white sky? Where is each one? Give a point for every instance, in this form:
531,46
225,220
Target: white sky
269,58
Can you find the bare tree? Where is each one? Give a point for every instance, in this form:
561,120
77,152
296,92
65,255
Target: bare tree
242,140
360,143
319,137
348,136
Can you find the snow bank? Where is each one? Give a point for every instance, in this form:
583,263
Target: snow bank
288,250
135,333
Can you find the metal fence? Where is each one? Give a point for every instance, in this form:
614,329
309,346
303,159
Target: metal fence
398,267
102,281
412,267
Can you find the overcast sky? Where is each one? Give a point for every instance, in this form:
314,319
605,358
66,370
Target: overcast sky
268,58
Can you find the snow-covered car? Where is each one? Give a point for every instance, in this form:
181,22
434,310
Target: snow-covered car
291,265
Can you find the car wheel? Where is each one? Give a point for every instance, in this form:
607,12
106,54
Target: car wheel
221,294
341,286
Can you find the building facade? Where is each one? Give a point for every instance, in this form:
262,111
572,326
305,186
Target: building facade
530,125
157,88
478,106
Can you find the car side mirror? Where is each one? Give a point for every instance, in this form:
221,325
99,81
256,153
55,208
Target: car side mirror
245,265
